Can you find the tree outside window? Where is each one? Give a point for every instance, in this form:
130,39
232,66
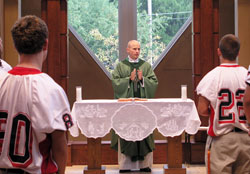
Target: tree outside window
96,21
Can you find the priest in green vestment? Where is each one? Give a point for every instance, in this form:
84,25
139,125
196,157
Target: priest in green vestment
134,78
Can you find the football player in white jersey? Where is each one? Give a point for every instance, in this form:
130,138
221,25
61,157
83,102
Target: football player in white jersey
34,110
246,100
221,94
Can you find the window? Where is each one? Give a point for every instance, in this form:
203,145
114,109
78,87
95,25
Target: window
96,21
158,22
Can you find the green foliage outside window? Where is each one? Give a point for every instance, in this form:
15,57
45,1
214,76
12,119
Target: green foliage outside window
96,21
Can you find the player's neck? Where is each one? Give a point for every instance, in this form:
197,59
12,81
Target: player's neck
222,60
31,60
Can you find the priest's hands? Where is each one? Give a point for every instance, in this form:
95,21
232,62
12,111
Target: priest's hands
134,74
139,73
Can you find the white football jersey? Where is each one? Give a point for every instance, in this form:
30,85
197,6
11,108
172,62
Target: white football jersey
248,76
32,106
224,87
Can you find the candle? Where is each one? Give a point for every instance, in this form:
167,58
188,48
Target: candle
183,92
78,93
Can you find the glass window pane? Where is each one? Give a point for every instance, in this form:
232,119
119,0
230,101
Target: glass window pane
158,22
96,21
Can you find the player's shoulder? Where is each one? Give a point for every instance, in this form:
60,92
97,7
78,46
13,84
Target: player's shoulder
243,69
211,76
3,75
45,82
215,71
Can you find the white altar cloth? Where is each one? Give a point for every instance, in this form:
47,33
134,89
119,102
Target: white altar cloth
136,119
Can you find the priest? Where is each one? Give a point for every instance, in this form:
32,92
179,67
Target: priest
134,78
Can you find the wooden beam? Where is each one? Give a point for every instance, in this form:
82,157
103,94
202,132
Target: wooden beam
174,157
206,38
54,13
78,153
127,25
94,157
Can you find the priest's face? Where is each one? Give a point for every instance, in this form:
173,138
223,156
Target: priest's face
133,49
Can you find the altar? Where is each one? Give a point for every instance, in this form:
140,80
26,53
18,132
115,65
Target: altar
133,120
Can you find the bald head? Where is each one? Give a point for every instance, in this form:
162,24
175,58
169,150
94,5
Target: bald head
132,42
133,49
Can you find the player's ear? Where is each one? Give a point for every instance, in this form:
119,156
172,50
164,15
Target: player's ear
219,52
46,44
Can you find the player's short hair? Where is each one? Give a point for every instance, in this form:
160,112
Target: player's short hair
29,34
229,46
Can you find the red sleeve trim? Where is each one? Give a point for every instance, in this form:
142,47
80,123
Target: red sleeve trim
211,129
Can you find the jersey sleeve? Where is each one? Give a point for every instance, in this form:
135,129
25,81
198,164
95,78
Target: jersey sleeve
208,85
248,77
51,110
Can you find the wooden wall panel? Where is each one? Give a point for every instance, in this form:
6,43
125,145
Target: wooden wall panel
64,61
216,17
63,17
175,69
30,7
206,37
84,71
64,45
53,22
54,13
196,16
243,31
9,15
78,153
216,38
197,53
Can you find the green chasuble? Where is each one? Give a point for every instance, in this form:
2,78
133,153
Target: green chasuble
125,88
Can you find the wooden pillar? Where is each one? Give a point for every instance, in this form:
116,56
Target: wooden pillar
94,157
9,13
243,31
127,25
174,157
206,41
30,7
54,13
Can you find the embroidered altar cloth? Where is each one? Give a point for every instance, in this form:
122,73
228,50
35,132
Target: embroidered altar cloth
135,119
